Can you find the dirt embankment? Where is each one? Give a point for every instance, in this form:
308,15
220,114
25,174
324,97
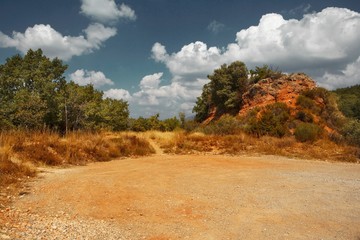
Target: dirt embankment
190,197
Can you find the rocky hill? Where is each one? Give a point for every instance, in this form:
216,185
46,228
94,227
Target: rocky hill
285,89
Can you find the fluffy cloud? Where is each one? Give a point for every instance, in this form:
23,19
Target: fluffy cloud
54,44
152,98
119,94
106,10
84,77
318,44
347,77
194,58
151,81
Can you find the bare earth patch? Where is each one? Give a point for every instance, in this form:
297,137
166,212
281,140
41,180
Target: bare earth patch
190,197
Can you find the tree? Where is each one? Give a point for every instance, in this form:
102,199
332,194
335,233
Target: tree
203,104
263,72
30,110
81,107
32,75
224,91
115,114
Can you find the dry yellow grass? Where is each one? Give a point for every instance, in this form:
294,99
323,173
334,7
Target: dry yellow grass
21,152
323,149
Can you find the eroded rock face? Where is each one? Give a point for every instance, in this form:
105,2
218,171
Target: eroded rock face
286,89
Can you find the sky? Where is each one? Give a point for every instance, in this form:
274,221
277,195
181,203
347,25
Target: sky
156,54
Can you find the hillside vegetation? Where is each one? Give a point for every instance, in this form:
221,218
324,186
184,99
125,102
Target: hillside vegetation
267,102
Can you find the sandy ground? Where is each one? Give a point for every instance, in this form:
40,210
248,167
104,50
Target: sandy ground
194,197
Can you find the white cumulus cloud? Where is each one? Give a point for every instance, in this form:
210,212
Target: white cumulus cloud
194,58
167,100
348,77
119,94
106,10
151,81
54,44
85,77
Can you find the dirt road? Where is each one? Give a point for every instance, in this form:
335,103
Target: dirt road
192,197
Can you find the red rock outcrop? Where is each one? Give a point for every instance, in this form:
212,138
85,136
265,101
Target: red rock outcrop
285,89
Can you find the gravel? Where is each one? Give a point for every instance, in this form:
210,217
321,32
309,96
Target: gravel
27,225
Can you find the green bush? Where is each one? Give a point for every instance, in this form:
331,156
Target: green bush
305,102
226,125
272,121
307,132
304,116
351,132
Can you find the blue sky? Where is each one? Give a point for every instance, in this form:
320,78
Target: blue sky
156,54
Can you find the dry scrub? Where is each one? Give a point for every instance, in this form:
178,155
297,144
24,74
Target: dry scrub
185,143
21,152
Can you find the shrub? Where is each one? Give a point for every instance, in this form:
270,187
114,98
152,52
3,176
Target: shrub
351,132
226,125
307,132
304,116
305,102
272,121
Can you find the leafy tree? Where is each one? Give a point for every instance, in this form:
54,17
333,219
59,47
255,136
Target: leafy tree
140,124
81,107
34,94
170,124
115,114
203,104
30,110
224,91
39,77
263,72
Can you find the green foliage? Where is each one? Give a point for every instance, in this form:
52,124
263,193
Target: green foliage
29,110
272,121
226,125
142,124
35,76
115,114
263,72
170,124
35,95
224,91
304,116
139,125
203,104
306,102
351,132
322,103
349,101
307,132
